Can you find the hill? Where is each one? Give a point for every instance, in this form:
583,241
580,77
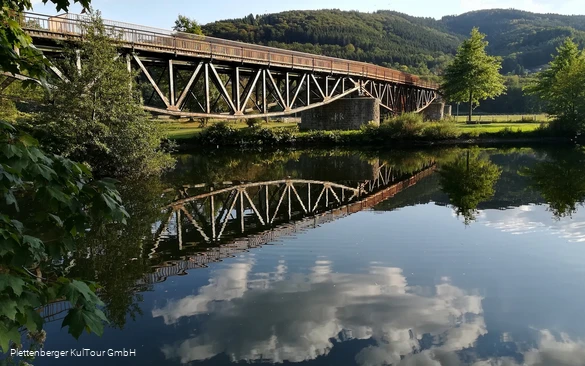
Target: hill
420,45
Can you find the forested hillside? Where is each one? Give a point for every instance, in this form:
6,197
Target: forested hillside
420,45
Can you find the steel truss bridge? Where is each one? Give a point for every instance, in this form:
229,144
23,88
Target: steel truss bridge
245,216
204,77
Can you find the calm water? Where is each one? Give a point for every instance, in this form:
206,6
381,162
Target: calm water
481,262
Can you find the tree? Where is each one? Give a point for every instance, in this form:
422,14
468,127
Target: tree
17,55
48,203
97,116
561,87
468,181
187,25
473,75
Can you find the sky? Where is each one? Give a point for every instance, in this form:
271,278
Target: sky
162,14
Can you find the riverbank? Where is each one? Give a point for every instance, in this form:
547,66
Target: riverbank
185,129
406,130
264,138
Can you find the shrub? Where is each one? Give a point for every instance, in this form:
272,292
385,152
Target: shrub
440,131
323,137
219,134
405,126
284,135
253,122
8,111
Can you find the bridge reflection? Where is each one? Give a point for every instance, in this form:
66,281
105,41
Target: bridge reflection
211,223
207,223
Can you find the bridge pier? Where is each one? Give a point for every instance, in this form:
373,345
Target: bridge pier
435,111
342,114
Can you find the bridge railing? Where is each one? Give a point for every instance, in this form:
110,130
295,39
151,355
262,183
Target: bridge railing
146,38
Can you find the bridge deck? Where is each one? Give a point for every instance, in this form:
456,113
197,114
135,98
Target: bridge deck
68,26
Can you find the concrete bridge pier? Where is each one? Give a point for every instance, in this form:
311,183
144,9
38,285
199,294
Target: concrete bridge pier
342,114
435,111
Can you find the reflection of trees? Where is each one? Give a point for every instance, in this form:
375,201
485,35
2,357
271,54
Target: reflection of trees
112,255
560,180
468,180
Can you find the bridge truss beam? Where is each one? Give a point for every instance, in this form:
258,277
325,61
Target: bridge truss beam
209,89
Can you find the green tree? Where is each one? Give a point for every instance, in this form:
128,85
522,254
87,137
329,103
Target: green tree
17,55
473,75
57,197
561,87
187,25
97,116
560,180
469,180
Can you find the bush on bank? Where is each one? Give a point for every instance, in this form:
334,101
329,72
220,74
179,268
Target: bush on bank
408,127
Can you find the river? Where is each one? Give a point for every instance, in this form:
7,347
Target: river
418,257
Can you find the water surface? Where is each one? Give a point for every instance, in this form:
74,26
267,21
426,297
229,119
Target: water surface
478,260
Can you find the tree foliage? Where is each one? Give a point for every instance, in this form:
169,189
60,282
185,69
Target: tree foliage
384,37
473,75
187,25
561,86
97,116
469,180
49,194
17,54
524,40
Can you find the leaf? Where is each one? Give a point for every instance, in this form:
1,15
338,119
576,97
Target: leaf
58,195
11,282
10,150
11,200
35,247
8,308
28,140
34,321
7,334
74,320
93,321
57,219
79,319
76,289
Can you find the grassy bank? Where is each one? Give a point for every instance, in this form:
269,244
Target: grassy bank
185,130
180,130
504,118
406,129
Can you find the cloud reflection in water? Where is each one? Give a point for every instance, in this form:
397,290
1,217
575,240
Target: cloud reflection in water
295,319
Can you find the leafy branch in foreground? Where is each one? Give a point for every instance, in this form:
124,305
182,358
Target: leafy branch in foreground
49,194
17,54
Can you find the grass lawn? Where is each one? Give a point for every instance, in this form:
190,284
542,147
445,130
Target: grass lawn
183,130
500,118
497,127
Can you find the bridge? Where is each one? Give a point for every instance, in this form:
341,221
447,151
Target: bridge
198,76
